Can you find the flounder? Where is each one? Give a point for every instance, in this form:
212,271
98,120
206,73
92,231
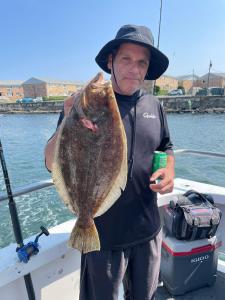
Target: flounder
90,161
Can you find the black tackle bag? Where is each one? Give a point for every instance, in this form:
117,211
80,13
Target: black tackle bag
191,216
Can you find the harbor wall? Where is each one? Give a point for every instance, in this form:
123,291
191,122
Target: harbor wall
179,104
39,107
194,104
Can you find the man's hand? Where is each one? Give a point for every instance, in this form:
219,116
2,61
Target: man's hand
68,103
167,178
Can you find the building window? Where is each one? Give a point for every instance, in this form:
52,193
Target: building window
9,92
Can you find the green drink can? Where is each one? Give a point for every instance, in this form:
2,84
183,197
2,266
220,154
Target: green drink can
159,160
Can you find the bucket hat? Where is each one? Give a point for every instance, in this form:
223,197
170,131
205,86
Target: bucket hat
140,35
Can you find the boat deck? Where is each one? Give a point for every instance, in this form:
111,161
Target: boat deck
215,292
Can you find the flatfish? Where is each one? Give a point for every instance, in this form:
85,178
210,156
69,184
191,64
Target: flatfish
90,160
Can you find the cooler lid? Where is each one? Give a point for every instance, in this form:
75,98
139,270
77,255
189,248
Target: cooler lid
184,248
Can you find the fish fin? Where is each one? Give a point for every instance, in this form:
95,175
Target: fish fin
58,178
85,239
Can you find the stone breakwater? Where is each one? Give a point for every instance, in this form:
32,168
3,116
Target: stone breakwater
193,104
179,104
39,107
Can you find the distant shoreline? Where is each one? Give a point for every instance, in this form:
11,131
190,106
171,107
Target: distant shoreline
180,104
209,111
28,112
32,108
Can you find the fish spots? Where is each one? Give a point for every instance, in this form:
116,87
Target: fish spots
69,190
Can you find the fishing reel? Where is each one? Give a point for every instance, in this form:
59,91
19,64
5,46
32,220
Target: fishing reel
32,248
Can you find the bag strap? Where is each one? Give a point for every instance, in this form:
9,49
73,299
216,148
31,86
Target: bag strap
194,233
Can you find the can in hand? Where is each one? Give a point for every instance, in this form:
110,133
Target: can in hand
159,160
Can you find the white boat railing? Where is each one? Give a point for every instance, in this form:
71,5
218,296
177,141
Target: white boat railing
48,182
27,189
201,153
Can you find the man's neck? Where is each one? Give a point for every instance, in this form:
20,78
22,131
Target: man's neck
128,98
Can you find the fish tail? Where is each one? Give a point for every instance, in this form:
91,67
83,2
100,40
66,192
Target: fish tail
85,239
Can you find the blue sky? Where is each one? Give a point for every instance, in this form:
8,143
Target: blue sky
60,39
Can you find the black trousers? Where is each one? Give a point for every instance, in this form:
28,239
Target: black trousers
137,267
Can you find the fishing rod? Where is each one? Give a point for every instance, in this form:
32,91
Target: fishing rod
15,222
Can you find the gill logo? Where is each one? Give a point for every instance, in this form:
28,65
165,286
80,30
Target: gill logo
149,116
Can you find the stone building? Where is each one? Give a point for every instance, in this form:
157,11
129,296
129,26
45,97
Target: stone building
38,87
167,83
188,82
215,80
11,89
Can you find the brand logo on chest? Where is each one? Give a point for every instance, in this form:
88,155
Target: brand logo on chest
149,115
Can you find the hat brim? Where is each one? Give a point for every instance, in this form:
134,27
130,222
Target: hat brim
158,61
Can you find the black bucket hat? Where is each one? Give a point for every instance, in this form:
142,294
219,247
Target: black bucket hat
140,35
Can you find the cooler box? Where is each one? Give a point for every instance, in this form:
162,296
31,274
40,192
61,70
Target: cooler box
188,265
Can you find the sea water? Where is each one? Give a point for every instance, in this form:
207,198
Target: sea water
24,136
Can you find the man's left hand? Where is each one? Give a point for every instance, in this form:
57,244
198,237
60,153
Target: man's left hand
166,183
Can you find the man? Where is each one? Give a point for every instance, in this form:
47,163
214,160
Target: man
130,231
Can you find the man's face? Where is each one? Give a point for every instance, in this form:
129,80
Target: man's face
130,67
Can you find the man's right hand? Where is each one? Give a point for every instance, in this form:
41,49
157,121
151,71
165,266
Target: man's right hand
68,103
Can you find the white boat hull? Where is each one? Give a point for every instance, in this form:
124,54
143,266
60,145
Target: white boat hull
55,270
